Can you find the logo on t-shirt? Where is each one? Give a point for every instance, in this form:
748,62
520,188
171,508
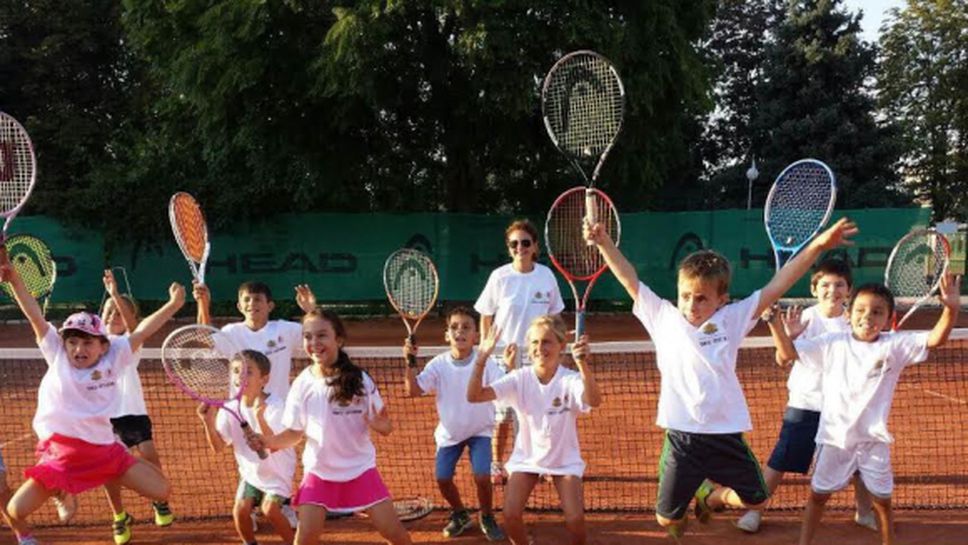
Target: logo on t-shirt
709,328
271,343
96,375
556,402
879,369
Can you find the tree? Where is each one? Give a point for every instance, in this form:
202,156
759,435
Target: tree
816,101
923,77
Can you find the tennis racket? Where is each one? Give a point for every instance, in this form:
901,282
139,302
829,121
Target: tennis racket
191,232
18,170
799,205
35,265
583,104
569,253
914,270
411,283
198,361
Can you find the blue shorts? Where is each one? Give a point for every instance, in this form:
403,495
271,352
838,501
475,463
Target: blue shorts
794,449
479,448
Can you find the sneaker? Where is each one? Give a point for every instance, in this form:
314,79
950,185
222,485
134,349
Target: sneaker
490,529
749,522
66,505
163,514
29,540
676,531
498,475
290,514
702,510
868,521
459,521
122,529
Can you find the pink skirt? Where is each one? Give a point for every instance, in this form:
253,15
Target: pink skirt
350,496
74,465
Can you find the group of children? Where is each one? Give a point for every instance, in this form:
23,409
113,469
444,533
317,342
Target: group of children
845,369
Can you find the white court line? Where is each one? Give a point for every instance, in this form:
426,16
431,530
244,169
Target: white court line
949,398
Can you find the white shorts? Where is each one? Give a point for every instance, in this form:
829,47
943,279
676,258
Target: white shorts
834,468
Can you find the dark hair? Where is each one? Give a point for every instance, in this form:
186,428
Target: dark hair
260,360
522,225
348,381
878,290
70,333
834,266
461,310
256,287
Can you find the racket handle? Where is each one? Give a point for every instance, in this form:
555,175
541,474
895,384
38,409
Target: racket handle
411,359
249,434
579,324
591,210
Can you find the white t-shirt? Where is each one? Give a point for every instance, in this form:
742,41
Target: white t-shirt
459,418
80,403
699,391
129,385
804,383
859,379
547,439
277,340
338,445
516,299
274,475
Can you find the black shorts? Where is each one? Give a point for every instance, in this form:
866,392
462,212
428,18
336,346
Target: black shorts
795,447
132,429
689,458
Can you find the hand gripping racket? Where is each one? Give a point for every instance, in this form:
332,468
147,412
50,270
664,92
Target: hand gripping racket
18,170
569,253
191,232
799,205
411,283
583,103
198,361
35,265
914,269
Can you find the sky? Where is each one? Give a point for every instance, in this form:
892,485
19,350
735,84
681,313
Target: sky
873,14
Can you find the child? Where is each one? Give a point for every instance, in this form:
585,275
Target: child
547,398
131,423
830,284
516,294
77,450
860,370
333,404
20,530
461,423
701,403
266,483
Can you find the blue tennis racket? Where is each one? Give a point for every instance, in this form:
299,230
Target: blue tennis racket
798,207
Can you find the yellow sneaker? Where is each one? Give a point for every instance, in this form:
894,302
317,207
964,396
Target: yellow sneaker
122,529
163,514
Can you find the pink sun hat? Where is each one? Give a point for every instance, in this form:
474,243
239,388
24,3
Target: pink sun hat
85,322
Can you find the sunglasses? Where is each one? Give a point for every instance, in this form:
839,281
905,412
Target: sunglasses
525,243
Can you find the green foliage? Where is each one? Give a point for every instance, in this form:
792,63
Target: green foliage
922,83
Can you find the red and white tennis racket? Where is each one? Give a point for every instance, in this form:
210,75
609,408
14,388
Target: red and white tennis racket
567,248
411,282
198,361
914,270
18,171
191,232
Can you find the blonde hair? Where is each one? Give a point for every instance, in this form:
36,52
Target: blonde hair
707,266
554,323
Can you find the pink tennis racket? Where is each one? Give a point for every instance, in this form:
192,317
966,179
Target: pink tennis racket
18,171
198,361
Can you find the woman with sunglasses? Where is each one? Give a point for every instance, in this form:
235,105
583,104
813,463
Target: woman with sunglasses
516,294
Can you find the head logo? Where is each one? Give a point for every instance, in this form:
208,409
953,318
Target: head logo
709,328
271,343
343,403
556,402
96,375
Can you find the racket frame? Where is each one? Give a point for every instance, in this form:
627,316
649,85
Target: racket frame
221,404
580,302
945,245
404,315
784,252
197,268
10,214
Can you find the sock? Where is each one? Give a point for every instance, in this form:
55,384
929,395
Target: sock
118,517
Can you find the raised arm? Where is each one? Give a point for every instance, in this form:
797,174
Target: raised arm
837,235
623,270
127,314
951,299
28,305
581,354
410,386
476,391
786,352
305,298
151,324
207,414
203,300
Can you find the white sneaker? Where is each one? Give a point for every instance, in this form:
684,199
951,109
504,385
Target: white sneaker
749,522
66,505
255,520
868,521
290,514
28,541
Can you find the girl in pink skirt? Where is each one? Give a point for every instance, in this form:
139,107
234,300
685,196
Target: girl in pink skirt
333,404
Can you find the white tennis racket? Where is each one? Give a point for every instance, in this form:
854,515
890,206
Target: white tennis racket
914,270
18,171
798,207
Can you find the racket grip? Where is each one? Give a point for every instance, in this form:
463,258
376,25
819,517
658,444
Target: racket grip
249,434
591,210
411,359
579,324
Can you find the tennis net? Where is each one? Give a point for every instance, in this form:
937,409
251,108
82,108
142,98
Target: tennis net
619,440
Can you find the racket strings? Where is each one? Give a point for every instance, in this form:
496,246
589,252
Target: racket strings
916,267
584,103
565,240
16,164
193,356
34,263
411,282
189,226
799,202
